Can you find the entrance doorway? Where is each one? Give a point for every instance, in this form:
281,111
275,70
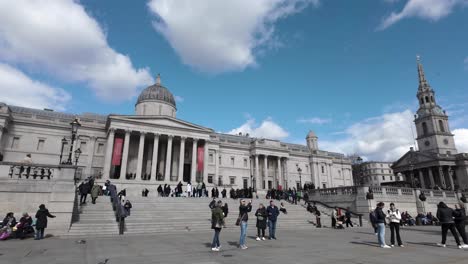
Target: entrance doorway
187,170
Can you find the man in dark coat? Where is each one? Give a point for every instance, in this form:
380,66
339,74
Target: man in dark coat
273,213
445,215
84,190
223,193
41,222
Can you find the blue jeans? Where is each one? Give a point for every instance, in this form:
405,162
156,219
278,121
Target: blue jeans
40,233
215,242
381,233
243,233
272,229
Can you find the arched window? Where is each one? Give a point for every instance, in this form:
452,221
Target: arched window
424,127
441,125
427,99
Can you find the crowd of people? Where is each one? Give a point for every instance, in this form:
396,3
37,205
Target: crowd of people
27,226
264,216
448,218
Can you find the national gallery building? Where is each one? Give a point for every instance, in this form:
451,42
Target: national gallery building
154,147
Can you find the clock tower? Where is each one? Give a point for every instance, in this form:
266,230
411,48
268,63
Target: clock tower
431,120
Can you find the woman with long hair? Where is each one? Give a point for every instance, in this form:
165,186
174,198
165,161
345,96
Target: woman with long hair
217,223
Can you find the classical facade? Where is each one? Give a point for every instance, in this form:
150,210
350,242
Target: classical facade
153,147
437,163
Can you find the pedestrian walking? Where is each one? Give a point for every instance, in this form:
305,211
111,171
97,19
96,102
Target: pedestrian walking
225,210
334,216
380,221
460,217
348,218
394,217
127,207
189,189
445,215
41,221
261,215
217,223
84,189
273,213
95,193
244,210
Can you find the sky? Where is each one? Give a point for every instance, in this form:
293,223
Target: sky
271,68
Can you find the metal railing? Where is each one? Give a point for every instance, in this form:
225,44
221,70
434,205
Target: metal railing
345,209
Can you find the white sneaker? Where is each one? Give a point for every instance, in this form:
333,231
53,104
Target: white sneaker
258,239
402,245
464,246
441,245
214,249
392,245
263,238
385,246
218,247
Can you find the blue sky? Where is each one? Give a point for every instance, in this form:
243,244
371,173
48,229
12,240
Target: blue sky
273,68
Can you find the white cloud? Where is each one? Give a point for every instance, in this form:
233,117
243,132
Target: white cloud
59,38
461,139
179,99
314,120
267,129
18,89
432,10
385,137
217,36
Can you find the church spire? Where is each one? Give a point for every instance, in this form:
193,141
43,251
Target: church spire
422,79
158,79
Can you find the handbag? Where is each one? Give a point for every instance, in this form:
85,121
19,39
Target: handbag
239,219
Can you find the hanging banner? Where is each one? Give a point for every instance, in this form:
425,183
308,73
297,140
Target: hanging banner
117,154
200,159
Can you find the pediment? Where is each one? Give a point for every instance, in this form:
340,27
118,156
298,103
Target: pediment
413,158
162,121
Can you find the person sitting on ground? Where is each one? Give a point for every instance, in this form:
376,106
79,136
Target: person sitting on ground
24,226
283,208
7,226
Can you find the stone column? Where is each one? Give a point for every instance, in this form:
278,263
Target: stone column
442,177
265,171
181,158
126,146
257,173
216,160
451,171
92,144
154,162
205,163
140,156
167,173
193,174
108,157
330,176
431,177
421,179
286,174
280,174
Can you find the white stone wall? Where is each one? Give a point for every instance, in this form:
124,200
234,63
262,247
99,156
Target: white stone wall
155,109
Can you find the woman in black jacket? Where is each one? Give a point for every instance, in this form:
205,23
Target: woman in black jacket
41,223
244,210
460,217
261,215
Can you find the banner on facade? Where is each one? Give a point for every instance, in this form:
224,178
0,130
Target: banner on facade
200,159
117,154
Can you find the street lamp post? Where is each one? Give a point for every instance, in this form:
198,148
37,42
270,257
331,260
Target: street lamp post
74,126
64,141
412,176
299,170
77,156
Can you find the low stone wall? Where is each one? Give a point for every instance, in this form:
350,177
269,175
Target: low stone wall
405,199
25,194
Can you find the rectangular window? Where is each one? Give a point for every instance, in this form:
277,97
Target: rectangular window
245,182
219,160
40,145
100,148
323,169
391,178
220,181
383,178
232,161
245,163
232,180
375,178
84,147
15,143
382,171
210,178
211,158
324,186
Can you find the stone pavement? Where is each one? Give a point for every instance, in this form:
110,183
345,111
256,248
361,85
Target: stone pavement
355,245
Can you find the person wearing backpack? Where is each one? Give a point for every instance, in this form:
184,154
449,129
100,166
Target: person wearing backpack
217,223
373,219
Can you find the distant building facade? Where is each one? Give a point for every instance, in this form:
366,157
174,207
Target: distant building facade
374,173
153,147
436,163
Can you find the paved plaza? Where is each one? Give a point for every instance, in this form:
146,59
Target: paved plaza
356,245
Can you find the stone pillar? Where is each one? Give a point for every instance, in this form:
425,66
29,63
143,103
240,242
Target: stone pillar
286,174
431,177
154,162
280,174
193,173
421,179
181,158
451,171
108,157
92,144
205,163
140,156
126,146
330,176
257,173
1,136
265,171
167,173
216,160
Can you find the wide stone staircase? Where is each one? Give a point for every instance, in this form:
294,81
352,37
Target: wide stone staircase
152,215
